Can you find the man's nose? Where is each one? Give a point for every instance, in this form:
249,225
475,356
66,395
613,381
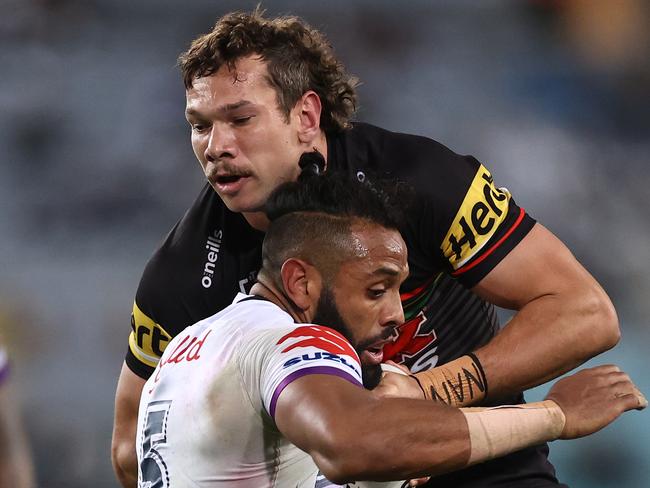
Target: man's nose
394,316
221,144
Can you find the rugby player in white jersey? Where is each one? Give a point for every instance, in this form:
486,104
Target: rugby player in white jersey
269,391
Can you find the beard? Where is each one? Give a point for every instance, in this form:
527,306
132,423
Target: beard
371,375
327,314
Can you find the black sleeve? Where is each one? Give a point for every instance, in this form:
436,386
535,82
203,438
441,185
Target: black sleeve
460,221
472,223
148,338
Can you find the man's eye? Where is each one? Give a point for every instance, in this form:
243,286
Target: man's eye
198,128
242,120
376,292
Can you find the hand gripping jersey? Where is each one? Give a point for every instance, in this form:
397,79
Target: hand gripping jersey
458,227
206,415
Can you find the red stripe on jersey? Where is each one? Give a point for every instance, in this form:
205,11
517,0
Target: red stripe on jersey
320,337
493,248
410,294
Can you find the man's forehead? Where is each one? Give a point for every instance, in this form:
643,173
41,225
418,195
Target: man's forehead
230,88
246,70
377,244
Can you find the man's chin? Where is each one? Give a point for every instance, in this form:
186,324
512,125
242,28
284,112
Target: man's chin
239,205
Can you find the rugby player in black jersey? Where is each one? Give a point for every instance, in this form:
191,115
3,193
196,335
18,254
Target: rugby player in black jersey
261,93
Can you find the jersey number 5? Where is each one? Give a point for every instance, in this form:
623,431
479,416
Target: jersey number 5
153,470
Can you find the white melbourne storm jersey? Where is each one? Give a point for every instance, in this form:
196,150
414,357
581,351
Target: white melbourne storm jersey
206,414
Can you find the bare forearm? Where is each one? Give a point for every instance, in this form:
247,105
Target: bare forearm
564,316
123,453
397,439
405,439
548,337
125,465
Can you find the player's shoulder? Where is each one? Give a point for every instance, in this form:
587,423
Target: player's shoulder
197,221
184,247
399,148
250,316
435,171
260,320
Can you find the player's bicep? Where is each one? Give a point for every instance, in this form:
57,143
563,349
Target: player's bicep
314,412
540,265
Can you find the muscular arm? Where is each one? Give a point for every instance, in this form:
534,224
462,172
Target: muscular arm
352,434
564,317
127,400
379,439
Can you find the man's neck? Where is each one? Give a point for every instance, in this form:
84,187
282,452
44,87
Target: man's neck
257,220
266,289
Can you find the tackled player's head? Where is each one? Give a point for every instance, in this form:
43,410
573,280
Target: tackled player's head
334,249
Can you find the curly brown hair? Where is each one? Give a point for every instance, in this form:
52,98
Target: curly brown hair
298,58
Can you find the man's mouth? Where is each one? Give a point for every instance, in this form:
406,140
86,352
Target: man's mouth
225,179
374,352
228,182
372,355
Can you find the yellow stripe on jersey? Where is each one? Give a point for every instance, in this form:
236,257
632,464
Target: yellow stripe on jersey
148,339
477,220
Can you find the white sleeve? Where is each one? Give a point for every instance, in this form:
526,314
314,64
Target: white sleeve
302,350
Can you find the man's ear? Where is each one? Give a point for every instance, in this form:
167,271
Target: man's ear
302,284
308,110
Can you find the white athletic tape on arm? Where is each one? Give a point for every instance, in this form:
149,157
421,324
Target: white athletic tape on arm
389,368
497,431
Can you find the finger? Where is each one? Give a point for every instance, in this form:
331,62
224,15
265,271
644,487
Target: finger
604,369
632,401
622,384
619,376
643,401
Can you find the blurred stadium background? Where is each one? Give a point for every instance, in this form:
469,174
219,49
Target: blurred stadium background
96,166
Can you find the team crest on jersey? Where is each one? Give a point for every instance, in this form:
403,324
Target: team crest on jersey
413,338
484,208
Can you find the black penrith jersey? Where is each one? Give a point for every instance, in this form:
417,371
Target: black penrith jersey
458,227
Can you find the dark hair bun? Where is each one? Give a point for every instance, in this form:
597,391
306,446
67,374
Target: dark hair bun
311,164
